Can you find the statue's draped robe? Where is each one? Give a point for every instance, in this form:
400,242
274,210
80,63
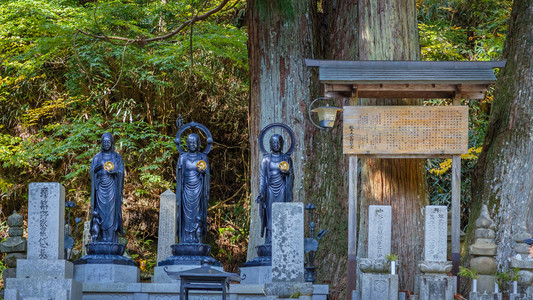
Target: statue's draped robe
274,186
192,193
106,194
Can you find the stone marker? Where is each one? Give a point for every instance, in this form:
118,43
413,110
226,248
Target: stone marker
45,274
86,237
288,242
46,220
435,233
379,231
167,225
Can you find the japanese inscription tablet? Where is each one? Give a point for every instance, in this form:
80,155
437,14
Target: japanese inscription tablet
397,130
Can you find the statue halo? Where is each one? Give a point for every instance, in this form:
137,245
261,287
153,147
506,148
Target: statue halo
193,125
272,126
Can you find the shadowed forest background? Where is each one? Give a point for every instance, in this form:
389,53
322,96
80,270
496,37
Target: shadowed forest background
60,89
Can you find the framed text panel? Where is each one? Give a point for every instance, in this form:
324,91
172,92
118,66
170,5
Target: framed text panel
401,130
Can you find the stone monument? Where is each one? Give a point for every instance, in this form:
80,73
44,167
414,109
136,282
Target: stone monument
275,186
104,262
45,273
435,282
524,263
376,282
14,246
482,252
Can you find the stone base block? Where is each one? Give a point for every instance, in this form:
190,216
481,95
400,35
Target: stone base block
106,273
256,275
45,269
485,296
520,297
524,264
485,284
57,289
160,276
437,287
379,286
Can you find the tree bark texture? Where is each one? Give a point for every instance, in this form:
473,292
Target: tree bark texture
388,31
503,179
279,41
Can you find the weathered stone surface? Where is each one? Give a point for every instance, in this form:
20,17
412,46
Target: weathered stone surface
106,273
46,219
288,289
521,248
484,220
525,278
483,249
11,259
379,286
256,275
15,220
13,244
435,233
368,265
485,283
44,289
437,287
483,233
15,231
86,237
484,265
167,225
288,242
435,267
524,264
45,269
379,231
491,296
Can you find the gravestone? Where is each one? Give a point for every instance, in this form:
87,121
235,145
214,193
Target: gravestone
379,231
14,246
288,242
167,225
45,273
435,282
376,282
435,233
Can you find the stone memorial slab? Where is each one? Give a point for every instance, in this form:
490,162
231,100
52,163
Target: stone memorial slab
435,233
437,287
287,242
379,231
167,225
46,219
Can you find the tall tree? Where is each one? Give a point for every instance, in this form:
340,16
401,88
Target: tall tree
281,89
388,31
503,177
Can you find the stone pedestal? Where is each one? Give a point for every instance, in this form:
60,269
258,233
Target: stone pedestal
45,274
485,296
437,287
14,246
256,275
379,286
106,273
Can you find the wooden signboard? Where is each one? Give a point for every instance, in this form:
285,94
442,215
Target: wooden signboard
401,131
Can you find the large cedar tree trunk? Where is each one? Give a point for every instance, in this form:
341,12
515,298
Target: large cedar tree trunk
388,31
279,40
504,177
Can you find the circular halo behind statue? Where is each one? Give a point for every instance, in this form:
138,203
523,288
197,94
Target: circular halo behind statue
193,125
272,126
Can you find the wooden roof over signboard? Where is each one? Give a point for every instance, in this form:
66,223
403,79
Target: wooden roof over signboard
406,79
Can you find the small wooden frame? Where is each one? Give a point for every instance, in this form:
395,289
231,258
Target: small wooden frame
405,131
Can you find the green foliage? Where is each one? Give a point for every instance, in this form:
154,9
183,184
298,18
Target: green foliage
467,273
60,90
391,257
